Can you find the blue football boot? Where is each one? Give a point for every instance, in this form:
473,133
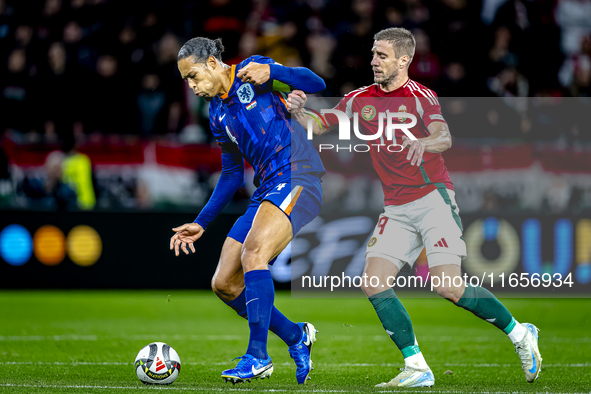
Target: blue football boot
249,368
301,352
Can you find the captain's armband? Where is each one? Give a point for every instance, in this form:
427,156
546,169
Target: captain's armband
317,117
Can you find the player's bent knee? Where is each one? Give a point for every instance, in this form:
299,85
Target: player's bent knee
366,290
254,256
224,289
369,291
450,293
379,273
218,287
370,288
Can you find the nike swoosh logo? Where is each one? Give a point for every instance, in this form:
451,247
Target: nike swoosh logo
533,369
222,117
261,370
402,380
307,342
254,299
533,331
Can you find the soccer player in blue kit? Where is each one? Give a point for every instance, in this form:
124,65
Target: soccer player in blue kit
249,119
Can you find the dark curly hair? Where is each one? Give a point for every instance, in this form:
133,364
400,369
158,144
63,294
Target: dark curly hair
201,48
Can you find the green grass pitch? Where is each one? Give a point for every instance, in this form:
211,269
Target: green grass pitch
86,342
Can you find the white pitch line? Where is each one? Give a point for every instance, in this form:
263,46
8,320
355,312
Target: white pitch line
129,338
319,364
208,389
49,338
219,389
428,390
161,337
576,365
77,363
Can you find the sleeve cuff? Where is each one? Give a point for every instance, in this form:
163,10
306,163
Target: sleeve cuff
200,222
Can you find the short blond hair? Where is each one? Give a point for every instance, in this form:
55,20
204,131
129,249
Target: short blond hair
401,39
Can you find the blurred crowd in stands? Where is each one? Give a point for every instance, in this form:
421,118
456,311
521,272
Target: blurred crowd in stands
107,66
96,68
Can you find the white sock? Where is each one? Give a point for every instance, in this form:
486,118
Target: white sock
517,333
416,361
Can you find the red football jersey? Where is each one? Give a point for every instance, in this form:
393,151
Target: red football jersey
402,183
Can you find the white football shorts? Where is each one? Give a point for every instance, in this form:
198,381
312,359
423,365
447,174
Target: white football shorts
432,222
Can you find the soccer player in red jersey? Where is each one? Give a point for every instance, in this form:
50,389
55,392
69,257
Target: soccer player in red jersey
420,208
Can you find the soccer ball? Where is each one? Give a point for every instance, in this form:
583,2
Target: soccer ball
157,363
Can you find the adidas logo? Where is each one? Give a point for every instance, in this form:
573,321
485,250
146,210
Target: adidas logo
441,243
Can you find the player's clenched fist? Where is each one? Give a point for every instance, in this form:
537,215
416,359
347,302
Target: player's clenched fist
255,73
185,234
296,101
416,148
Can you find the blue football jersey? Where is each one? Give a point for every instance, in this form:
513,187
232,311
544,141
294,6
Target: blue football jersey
255,119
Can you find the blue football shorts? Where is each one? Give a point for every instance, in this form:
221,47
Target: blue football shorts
298,196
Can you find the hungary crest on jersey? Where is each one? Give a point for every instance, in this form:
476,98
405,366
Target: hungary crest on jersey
402,108
368,112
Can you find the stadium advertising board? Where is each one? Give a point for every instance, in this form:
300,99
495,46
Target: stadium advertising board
548,255
95,250
532,256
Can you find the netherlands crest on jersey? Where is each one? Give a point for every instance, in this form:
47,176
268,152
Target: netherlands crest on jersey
245,93
368,112
402,108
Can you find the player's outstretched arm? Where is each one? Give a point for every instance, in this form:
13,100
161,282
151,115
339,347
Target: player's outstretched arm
296,101
298,78
295,77
438,141
230,180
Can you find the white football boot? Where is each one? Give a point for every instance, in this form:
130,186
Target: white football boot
527,349
411,377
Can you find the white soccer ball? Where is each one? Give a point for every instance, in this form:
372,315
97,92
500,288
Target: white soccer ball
157,363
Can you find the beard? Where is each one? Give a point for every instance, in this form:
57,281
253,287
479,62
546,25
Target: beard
387,79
